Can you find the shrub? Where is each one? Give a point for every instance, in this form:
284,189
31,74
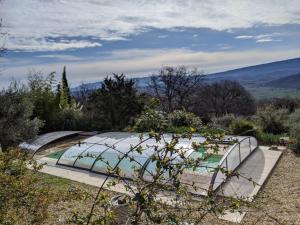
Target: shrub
272,120
182,118
294,131
295,144
223,122
149,120
268,138
22,201
294,118
242,127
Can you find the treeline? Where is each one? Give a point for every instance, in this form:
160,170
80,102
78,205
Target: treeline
176,100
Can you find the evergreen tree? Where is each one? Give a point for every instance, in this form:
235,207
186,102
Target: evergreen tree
57,94
65,97
116,103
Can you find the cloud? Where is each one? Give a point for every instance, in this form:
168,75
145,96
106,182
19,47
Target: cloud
60,57
264,40
31,22
261,38
244,37
42,44
147,62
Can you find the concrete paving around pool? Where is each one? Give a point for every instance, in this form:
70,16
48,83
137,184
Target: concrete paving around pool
258,167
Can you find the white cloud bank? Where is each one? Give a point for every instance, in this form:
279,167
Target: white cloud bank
31,22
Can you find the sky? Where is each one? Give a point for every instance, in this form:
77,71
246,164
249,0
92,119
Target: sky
95,38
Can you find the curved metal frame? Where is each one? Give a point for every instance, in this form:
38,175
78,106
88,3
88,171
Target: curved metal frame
224,159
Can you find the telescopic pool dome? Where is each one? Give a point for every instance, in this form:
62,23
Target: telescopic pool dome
102,152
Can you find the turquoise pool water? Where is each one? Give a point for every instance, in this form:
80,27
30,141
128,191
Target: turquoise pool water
208,165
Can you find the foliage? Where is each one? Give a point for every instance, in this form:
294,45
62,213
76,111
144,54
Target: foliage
151,119
242,127
45,104
271,120
268,138
116,103
22,201
64,91
16,121
48,105
294,118
294,130
182,118
71,117
223,122
295,141
175,87
290,104
221,98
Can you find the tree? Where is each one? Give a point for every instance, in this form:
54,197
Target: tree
175,86
65,96
221,98
116,103
44,100
16,122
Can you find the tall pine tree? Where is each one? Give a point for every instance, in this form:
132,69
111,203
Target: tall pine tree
65,97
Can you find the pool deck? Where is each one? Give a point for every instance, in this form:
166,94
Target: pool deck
258,167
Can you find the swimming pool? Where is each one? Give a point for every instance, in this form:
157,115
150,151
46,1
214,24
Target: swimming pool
208,165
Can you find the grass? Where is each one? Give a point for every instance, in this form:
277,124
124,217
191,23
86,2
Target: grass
55,182
268,138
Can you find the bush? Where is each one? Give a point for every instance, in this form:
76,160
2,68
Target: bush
272,121
223,122
242,127
149,120
182,118
294,118
295,144
268,138
22,201
294,131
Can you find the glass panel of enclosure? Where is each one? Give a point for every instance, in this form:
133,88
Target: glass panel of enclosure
112,156
184,145
128,165
220,177
253,143
244,148
233,158
88,157
70,155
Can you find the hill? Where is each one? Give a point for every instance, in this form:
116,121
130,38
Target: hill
256,78
292,81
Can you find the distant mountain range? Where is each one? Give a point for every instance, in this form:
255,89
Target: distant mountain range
292,81
281,74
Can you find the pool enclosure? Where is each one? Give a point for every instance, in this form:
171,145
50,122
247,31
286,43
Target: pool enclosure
103,152
40,141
